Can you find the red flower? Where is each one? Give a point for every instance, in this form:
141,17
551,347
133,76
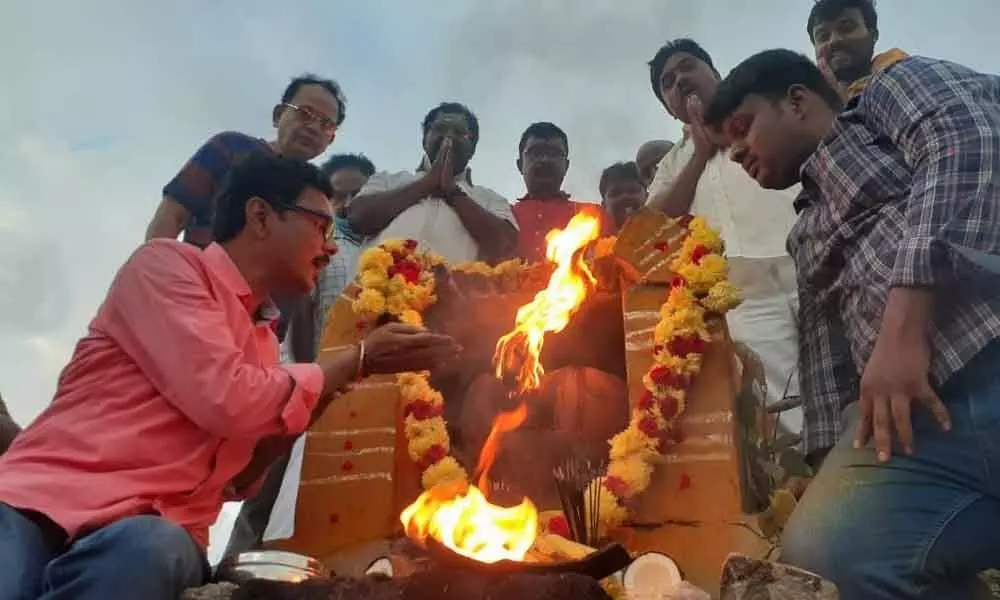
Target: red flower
361,325
422,410
682,346
647,401
650,427
669,407
435,454
348,446
616,485
407,268
661,246
560,526
698,253
678,281
347,466
685,482
410,245
664,376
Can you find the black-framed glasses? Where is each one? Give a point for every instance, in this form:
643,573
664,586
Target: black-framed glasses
326,223
308,116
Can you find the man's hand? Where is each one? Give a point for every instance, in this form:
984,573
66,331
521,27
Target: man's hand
440,177
705,145
396,348
897,374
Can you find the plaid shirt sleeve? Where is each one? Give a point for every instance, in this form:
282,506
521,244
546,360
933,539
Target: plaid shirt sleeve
945,119
827,377
195,184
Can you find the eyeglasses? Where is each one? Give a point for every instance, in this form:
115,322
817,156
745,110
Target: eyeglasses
309,116
325,225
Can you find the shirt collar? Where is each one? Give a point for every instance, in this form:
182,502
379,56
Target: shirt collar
219,261
561,196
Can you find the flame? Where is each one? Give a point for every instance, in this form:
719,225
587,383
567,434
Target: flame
461,518
552,308
458,515
504,422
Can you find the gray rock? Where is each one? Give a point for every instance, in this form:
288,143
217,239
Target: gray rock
212,591
745,578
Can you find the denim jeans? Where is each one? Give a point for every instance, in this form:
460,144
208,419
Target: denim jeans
139,557
919,526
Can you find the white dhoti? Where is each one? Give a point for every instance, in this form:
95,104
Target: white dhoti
766,322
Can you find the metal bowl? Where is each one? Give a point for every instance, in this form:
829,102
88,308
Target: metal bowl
273,565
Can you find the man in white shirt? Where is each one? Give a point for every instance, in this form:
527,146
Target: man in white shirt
695,178
438,205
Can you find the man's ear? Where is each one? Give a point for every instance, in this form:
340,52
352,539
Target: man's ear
276,114
255,216
520,166
875,35
797,97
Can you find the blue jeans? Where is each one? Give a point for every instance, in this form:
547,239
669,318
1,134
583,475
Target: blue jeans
919,526
142,557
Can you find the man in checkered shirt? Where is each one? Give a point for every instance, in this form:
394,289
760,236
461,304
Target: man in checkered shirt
899,350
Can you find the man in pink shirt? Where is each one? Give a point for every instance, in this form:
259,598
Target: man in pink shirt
174,401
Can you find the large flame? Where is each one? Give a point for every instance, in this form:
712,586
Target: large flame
520,350
459,515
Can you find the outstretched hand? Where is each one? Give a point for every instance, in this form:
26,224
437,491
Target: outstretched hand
396,348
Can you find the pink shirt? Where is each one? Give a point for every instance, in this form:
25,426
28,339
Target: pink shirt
163,401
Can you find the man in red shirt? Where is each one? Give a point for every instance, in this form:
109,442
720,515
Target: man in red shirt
542,159
174,401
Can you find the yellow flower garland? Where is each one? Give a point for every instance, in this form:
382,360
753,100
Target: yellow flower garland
700,287
398,280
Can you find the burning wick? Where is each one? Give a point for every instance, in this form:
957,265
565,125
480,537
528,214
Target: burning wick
572,281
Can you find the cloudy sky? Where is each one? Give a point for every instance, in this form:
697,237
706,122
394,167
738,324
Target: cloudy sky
105,99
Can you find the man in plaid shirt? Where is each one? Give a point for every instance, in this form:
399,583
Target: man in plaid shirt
899,331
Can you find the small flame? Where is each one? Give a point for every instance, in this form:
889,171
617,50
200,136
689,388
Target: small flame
461,518
504,422
552,308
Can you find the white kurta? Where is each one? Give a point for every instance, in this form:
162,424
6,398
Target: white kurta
754,223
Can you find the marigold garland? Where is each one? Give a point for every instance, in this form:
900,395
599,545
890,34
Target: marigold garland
699,288
398,280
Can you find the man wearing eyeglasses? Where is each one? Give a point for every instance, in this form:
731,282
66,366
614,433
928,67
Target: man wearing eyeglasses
438,205
542,159
174,402
306,121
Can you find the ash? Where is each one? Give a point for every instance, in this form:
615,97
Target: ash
437,584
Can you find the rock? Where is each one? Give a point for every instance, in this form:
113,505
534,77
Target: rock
745,578
212,591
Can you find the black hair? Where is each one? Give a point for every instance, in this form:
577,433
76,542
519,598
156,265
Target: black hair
768,74
453,108
659,60
338,162
620,171
542,130
828,10
328,84
278,180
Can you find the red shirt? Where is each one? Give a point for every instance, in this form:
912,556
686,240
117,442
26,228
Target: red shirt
163,401
536,218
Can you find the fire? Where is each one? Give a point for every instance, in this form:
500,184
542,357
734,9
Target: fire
462,519
552,308
458,515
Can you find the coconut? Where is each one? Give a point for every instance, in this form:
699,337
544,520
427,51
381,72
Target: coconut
650,572
380,566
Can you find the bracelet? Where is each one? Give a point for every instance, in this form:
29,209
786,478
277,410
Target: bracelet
360,373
